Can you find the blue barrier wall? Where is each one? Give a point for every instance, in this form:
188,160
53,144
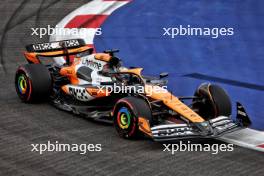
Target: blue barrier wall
235,62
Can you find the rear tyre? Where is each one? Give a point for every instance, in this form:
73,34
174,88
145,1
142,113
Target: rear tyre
126,114
33,82
216,101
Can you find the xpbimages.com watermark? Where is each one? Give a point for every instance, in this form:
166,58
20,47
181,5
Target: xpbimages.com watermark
62,147
192,147
131,89
215,32
49,30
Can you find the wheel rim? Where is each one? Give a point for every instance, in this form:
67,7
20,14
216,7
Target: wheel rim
124,118
22,84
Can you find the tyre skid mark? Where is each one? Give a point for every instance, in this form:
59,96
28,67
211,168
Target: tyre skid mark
10,26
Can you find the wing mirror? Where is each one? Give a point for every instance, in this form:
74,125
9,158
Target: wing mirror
163,75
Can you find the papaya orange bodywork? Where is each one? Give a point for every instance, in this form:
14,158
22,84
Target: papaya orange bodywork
144,126
70,72
65,89
136,71
173,103
95,92
102,57
168,99
32,57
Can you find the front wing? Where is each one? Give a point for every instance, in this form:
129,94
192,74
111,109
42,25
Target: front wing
209,129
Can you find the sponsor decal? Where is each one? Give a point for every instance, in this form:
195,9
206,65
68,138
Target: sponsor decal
92,63
55,45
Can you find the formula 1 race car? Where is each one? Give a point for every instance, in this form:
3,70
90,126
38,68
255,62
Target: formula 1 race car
85,85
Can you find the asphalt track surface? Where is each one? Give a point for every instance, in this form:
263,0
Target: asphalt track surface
24,124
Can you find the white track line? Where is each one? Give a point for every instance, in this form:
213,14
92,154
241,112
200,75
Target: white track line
99,7
248,138
96,7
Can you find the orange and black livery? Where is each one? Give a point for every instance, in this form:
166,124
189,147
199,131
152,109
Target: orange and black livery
82,81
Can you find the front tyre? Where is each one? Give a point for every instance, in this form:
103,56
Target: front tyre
126,113
215,101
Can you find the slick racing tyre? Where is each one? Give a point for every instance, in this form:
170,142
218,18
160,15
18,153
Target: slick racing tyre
215,101
126,113
33,82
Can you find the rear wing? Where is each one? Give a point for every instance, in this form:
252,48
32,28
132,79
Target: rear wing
55,49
